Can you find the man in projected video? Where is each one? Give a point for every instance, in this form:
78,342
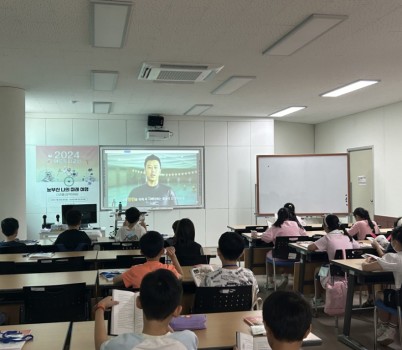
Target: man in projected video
152,193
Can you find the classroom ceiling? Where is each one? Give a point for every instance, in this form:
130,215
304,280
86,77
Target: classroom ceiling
45,49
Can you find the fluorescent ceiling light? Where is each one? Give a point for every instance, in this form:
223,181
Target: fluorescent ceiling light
101,107
104,80
198,109
110,20
231,85
305,32
360,84
287,111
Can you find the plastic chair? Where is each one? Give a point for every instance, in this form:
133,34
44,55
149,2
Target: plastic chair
79,248
283,255
222,299
191,260
61,303
76,263
7,267
379,304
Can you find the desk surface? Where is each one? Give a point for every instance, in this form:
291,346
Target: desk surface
220,332
46,335
18,281
302,246
111,254
355,265
23,258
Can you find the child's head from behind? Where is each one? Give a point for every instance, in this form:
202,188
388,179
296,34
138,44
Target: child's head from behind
9,226
396,238
361,214
330,222
287,317
151,244
132,215
160,295
185,232
73,217
231,245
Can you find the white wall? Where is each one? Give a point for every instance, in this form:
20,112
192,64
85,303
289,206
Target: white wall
230,149
293,138
379,128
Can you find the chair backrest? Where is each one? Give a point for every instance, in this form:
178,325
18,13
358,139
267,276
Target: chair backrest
14,249
61,303
120,245
222,299
282,250
191,260
79,248
7,267
126,261
76,263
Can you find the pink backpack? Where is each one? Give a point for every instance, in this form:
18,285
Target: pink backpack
335,297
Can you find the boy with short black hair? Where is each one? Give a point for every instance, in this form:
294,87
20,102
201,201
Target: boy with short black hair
151,245
73,238
133,228
230,249
160,297
9,227
287,319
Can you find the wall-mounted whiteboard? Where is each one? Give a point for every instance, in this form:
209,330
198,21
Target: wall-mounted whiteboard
315,184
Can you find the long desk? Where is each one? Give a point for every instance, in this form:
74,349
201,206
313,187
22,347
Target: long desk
356,276
15,283
46,335
19,258
219,334
317,255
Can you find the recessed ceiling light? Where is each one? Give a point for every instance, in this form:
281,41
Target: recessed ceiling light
359,84
197,109
110,20
305,32
103,80
232,84
287,111
101,107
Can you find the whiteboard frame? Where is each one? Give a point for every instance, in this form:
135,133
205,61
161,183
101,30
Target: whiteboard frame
345,155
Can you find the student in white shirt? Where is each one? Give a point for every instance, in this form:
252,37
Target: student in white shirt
133,228
386,329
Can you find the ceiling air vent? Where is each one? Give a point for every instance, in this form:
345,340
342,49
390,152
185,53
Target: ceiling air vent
178,73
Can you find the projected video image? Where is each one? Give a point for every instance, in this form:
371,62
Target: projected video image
151,177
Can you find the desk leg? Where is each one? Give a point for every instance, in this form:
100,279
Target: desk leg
345,338
302,272
251,256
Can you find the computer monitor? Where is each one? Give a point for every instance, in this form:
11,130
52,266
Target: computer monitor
88,211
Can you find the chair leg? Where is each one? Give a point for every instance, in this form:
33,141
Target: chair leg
274,273
375,327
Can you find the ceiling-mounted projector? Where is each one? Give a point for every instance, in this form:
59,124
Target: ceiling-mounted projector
157,134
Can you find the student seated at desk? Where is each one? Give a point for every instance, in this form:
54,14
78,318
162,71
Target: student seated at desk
292,211
183,240
160,300
386,329
363,226
73,239
151,245
283,226
133,228
334,239
9,227
381,244
230,249
287,319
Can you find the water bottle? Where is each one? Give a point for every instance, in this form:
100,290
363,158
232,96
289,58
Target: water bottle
120,207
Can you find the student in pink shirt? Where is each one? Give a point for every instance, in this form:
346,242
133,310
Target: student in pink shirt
283,226
363,225
334,239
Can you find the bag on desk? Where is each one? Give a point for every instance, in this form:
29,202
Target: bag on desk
335,297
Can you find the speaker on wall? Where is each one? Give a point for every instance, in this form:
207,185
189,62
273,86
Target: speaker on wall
155,120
